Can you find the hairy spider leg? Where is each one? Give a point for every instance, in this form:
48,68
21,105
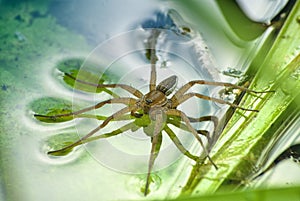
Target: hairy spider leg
183,116
188,85
185,128
190,95
178,144
126,127
180,93
156,140
153,58
216,132
211,118
128,88
126,101
104,123
155,147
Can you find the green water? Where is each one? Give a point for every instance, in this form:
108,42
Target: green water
42,39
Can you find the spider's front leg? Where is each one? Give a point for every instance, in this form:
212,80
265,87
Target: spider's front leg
181,96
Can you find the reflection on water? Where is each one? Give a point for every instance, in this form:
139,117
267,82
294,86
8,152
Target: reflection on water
101,20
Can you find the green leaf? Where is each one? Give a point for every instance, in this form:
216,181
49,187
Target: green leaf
74,74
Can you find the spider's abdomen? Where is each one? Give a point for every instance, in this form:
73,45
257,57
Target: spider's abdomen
168,85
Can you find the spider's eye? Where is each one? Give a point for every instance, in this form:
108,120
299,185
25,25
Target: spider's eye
149,101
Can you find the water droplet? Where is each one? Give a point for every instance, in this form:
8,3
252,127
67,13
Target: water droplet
232,72
227,95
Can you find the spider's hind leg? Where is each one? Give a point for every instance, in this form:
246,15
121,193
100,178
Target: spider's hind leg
178,144
156,144
206,134
186,120
129,126
214,135
84,139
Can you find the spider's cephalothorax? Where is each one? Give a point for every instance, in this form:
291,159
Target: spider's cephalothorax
158,98
160,112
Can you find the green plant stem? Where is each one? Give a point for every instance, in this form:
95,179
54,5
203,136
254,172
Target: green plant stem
247,133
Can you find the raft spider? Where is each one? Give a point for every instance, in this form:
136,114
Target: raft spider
159,110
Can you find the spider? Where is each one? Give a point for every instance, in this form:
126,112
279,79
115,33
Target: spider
154,111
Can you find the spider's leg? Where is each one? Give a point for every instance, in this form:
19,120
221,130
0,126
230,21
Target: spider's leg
126,101
128,88
152,84
188,85
118,131
99,117
153,58
183,116
217,130
182,126
155,147
190,95
156,139
179,145
104,123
